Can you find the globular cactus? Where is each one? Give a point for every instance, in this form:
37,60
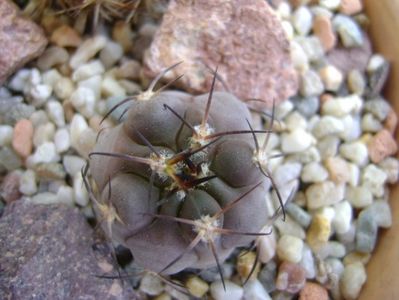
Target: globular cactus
182,181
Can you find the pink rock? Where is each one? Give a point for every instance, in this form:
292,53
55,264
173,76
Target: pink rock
21,40
22,140
381,146
323,29
350,7
9,189
243,38
291,277
391,121
313,291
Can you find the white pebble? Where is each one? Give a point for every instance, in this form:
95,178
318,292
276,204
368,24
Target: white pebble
283,109
81,195
355,151
289,248
18,81
309,155
354,174
310,84
56,113
328,125
376,62
85,71
359,196
302,20
390,166
151,284
51,77
45,153
370,123
65,194
39,117
288,29
296,141
45,198
64,88
307,262
374,179
78,125
93,83
266,246
232,292
295,120
348,30
27,183
43,133
111,87
323,194
287,172
284,10
341,106
330,4
352,280
352,128
62,140
343,217
299,58
254,290
40,94
314,172
111,54
87,50
84,101
73,164
331,77
6,133
86,142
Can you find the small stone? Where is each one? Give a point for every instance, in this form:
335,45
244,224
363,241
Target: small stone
38,118
123,35
267,276
111,54
56,113
332,78
111,87
355,151
43,133
9,159
307,262
370,123
286,172
332,249
296,141
342,218
246,264
27,183
289,248
348,31
355,257
6,135
84,100
348,238
359,196
51,77
390,166
52,57
338,169
381,146
80,193
323,194
322,28
366,233
380,108
313,291
88,49
374,179
254,290
130,87
391,121
78,125
313,172
288,29
299,58
381,212
328,146
9,187
352,127
291,278
313,48
196,286
232,292
302,20
93,83
356,82
129,69
319,232
311,84
266,245
87,70
66,36
65,195
22,138
45,153
73,164
290,227
212,274
44,198
39,94
163,296
295,120
352,280
342,106
328,125
307,106
151,284
350,7
62,140
330,4
354,174
298,214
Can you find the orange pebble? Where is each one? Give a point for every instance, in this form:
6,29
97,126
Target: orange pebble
313,291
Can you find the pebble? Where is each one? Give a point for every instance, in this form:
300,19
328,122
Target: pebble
6,135
289,248
43,133
73,164
348,31
319,232
88,49
342,106
123,35
298,214
366,232
52,57
359,196
22,138
128,69
86,142
51,77
111,87
39,117
330,4
286,172
338,169
328,125
232,292
313,172
352,280
65,195
391,121
351,7
27,183
266,245
378,107
87,70
81,195
45,198
151,284
355,257
18,81
312,47
356,82
332,249
254,290
14,111
291,277
310,84
390,166
307,106
370,123
45,153
297,140
335,266
288,29
196,286
9,187
381,146
323,194
111,54
245,265
9,159
374,179
302,20
298,56
328,146
289,227
77,126
313,291
84,100
62,140
342,218
307,262
66,36
295,120
353,129
332,78
93,83
163,296
55,111
212,274
354,174
348,238
355,151
267,276
323,29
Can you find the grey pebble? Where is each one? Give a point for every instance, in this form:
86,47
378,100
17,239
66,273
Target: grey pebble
267,276
366,234
9,159
381,213
12,110
299,214
308,262
307,106
380,108
310,84
348,30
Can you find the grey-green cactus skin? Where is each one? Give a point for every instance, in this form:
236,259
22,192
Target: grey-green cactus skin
139,193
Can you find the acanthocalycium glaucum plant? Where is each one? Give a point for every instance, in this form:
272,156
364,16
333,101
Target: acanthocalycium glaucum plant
181,181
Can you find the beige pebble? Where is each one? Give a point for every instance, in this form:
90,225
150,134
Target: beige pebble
323,29
313,291
65,36
354,257
245,264
123,35
391,121
22,140
197,287
319,232
163,296
350,7
338,169
381,146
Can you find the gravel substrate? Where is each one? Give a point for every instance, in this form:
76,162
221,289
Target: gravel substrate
335,136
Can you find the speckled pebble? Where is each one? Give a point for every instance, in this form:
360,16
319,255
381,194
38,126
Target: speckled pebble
9,187
313,291
381,146
291,277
